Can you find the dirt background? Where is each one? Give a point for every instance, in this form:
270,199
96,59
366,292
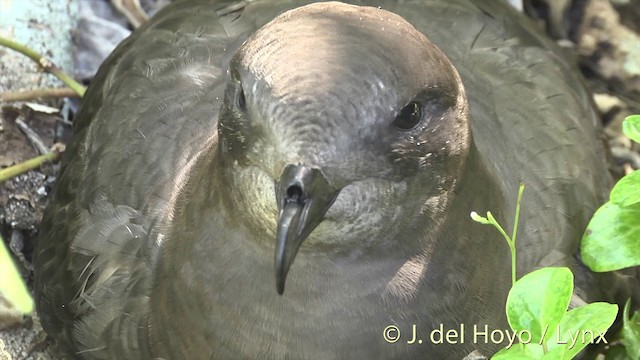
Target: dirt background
602,36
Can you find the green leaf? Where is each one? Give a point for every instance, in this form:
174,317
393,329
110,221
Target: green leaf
538,301
626,192
520,352
556,354
631,332
631,127
580,327
612,239
12,287
480,219
616,352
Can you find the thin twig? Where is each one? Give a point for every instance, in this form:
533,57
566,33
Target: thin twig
45,93
32,136
44,63
132,10
23,167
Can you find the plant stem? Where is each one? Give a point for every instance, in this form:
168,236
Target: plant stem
15,170
45,63
37,93
512,243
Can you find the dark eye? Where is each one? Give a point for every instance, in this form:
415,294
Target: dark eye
241,101
235,74
409,116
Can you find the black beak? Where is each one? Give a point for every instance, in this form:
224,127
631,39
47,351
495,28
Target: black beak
304,196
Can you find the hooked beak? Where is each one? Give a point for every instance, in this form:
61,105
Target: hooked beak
304,196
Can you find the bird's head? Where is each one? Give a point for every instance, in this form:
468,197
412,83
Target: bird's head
341,124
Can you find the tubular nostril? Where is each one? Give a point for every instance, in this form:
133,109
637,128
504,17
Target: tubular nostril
294,193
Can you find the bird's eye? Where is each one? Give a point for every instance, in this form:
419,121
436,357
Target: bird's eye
241,101
409,116
235,74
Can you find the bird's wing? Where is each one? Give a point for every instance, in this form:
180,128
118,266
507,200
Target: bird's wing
532,120
151,111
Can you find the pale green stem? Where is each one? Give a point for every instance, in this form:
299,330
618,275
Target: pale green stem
512,243
15,170
45,63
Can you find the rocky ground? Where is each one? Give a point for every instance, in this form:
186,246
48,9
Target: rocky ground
602,35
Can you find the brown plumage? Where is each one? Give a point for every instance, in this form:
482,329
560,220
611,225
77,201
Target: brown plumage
348,143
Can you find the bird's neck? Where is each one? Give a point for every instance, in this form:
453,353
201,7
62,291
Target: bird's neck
220,279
